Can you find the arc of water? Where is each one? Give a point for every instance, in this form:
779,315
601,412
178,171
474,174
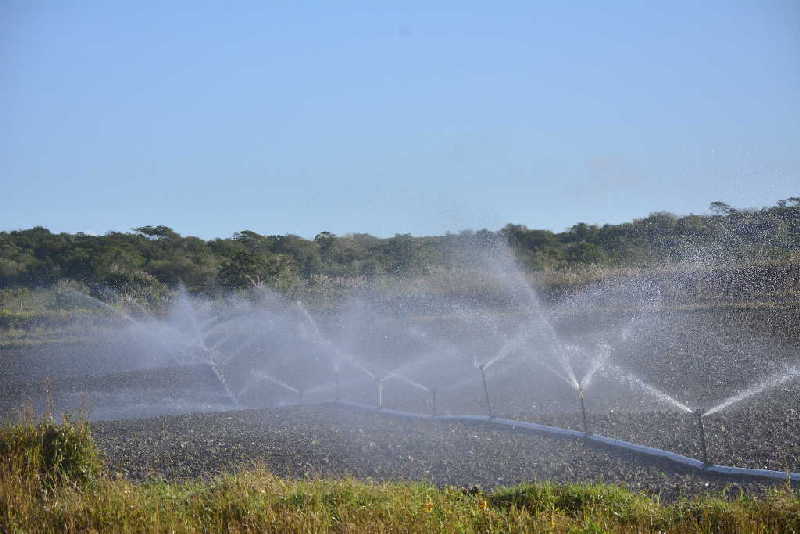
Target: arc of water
320,389
209,355
132,301
509,347
561,353
438,344
560,349
264,377
219,320
231,333
104,305
325,342
770,382
208,358
460,384
311,322
362,368
597,364
625,332
648,388
221,341
320,338
222,380
538,312
224,358
407,380
555,371
194,324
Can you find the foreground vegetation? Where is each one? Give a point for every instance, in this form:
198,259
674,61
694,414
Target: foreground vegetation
52,480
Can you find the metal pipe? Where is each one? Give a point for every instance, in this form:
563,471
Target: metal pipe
337,394
701,427
379,400
486,391
433,402
583,412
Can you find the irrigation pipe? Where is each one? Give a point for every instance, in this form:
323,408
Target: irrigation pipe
592,439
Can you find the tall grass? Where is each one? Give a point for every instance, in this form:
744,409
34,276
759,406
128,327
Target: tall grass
51,481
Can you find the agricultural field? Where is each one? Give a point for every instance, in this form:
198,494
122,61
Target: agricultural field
316,395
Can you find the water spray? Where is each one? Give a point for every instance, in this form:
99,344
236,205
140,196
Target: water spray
486,391
702,429
225,386
211,362
263,377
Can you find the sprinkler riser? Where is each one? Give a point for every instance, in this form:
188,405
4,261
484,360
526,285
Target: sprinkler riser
486,392
702,429
433,402
583,413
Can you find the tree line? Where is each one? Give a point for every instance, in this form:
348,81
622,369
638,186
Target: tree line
158,257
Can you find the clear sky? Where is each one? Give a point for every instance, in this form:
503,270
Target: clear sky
426,117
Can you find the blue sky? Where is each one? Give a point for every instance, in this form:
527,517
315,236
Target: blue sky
426,117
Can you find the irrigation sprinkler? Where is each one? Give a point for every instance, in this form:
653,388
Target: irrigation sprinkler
486,390
702,429
583,411
338,396
433,402
379,393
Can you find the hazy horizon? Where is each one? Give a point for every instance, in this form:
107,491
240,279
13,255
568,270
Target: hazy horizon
311,236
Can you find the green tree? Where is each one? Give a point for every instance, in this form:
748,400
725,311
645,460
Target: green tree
247,270
584,252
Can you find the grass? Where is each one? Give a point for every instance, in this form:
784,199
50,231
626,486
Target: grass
51,480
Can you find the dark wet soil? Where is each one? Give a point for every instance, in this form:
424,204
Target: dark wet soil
332,440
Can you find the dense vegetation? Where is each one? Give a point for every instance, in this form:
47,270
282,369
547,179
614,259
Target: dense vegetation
156,258
51,481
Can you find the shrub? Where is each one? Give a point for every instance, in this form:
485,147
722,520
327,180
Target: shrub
56,453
